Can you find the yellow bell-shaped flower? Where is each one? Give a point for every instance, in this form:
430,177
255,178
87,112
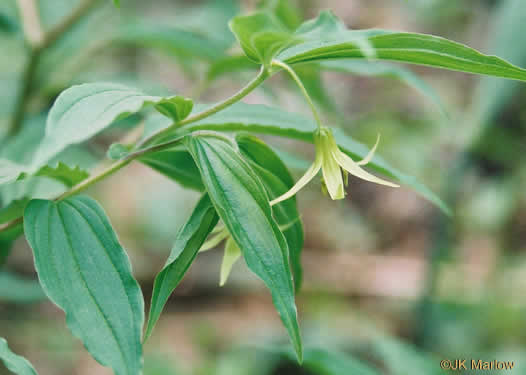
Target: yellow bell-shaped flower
332,161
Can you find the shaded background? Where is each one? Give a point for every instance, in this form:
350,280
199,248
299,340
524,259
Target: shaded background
389,279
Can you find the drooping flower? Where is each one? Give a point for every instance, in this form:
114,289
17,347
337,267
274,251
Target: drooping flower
335,166
231,255
232,252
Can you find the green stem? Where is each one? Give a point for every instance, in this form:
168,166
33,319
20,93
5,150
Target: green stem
153,149
262,75
94,179
25,93
105,173
56,33
302,88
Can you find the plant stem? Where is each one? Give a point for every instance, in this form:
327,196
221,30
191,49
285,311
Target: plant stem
262,75
152,149
25,92
39,41
94,179
105,173
76,15
33,32
302,88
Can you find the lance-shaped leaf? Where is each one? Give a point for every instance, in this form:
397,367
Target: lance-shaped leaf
82,111
277,180
15,363
85,271
243,206
326,38
187,244
262,119
177,164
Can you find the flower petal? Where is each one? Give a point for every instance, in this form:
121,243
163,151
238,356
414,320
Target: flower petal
304,180
353,168
214,241
332,176
370,155
232,254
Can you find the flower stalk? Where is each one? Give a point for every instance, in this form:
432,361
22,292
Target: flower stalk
334,164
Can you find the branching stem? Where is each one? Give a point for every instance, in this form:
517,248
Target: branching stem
258,80
262,75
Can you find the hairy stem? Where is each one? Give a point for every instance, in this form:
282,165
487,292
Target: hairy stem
297,79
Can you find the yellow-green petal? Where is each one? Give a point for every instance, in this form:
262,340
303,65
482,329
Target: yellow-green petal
370,155
232,254
304,180
332,174
353,168
215,240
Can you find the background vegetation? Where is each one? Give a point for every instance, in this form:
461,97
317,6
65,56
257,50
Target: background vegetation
390,281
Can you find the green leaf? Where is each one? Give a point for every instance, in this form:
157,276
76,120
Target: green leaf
13,210
15,363
10,212
177,108
69,176
285,11
187,243
261,35
262,119
117,3
243,206
62,172
229,64
277,180
118,151
326,38
7,24
85,271
177,164
384,69
82,111
492,94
